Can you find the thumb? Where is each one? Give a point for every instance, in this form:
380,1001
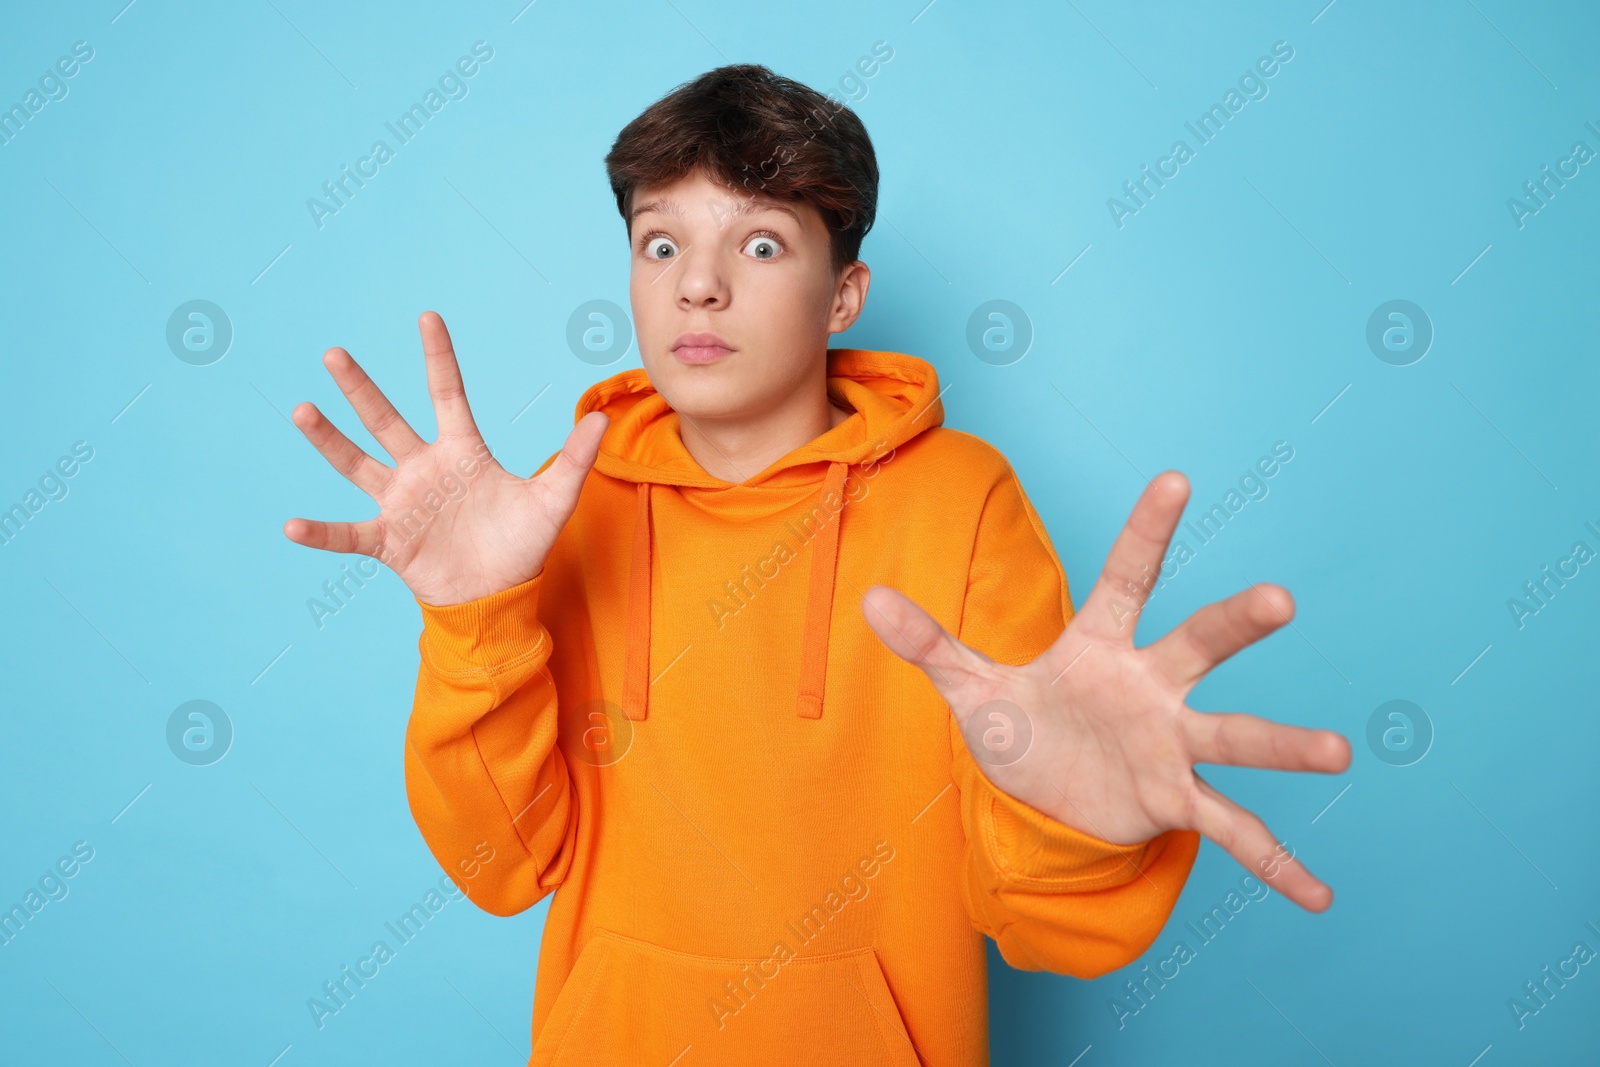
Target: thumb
563,479
916,637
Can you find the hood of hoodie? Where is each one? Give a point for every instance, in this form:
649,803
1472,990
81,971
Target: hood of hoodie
892,397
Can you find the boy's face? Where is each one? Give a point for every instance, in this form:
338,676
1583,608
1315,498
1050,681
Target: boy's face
753,271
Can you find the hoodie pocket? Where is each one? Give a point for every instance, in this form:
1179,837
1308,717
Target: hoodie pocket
629,1001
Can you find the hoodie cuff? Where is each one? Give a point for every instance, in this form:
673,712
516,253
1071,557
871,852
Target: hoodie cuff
485,636
1031,850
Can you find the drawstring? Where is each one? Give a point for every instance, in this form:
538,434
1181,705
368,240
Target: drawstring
636,669
819,605
819,601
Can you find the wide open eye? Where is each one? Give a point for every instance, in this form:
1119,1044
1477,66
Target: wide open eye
659,246
763,246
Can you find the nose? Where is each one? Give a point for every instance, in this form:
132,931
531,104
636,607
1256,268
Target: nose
701,283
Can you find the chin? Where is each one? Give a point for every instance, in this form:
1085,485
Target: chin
696,391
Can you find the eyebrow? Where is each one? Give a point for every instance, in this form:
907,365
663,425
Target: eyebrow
750,206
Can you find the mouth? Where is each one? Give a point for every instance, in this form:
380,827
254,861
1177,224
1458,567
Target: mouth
700,348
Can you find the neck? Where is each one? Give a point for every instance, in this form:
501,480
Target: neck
736,450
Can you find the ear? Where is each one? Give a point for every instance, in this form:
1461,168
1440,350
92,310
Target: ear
849,296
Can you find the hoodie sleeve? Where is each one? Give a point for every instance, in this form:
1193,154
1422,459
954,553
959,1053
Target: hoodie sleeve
488,787
1053,898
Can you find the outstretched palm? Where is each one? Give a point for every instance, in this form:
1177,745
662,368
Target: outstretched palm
452,522
1095,733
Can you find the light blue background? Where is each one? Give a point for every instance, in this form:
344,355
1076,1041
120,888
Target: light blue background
1225,316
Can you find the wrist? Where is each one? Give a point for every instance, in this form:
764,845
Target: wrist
487,633
455,594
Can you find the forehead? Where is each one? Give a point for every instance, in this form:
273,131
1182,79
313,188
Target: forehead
694,194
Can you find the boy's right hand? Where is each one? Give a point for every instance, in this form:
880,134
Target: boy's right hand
452,522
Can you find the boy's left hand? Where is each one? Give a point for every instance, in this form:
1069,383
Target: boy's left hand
1095,733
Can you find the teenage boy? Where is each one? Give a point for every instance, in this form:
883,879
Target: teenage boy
774,681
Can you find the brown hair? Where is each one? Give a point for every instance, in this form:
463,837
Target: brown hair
758,132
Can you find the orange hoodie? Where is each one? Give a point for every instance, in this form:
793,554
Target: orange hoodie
766,837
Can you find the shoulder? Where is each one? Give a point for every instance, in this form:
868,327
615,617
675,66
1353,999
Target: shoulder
979,474
971,486
964,455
